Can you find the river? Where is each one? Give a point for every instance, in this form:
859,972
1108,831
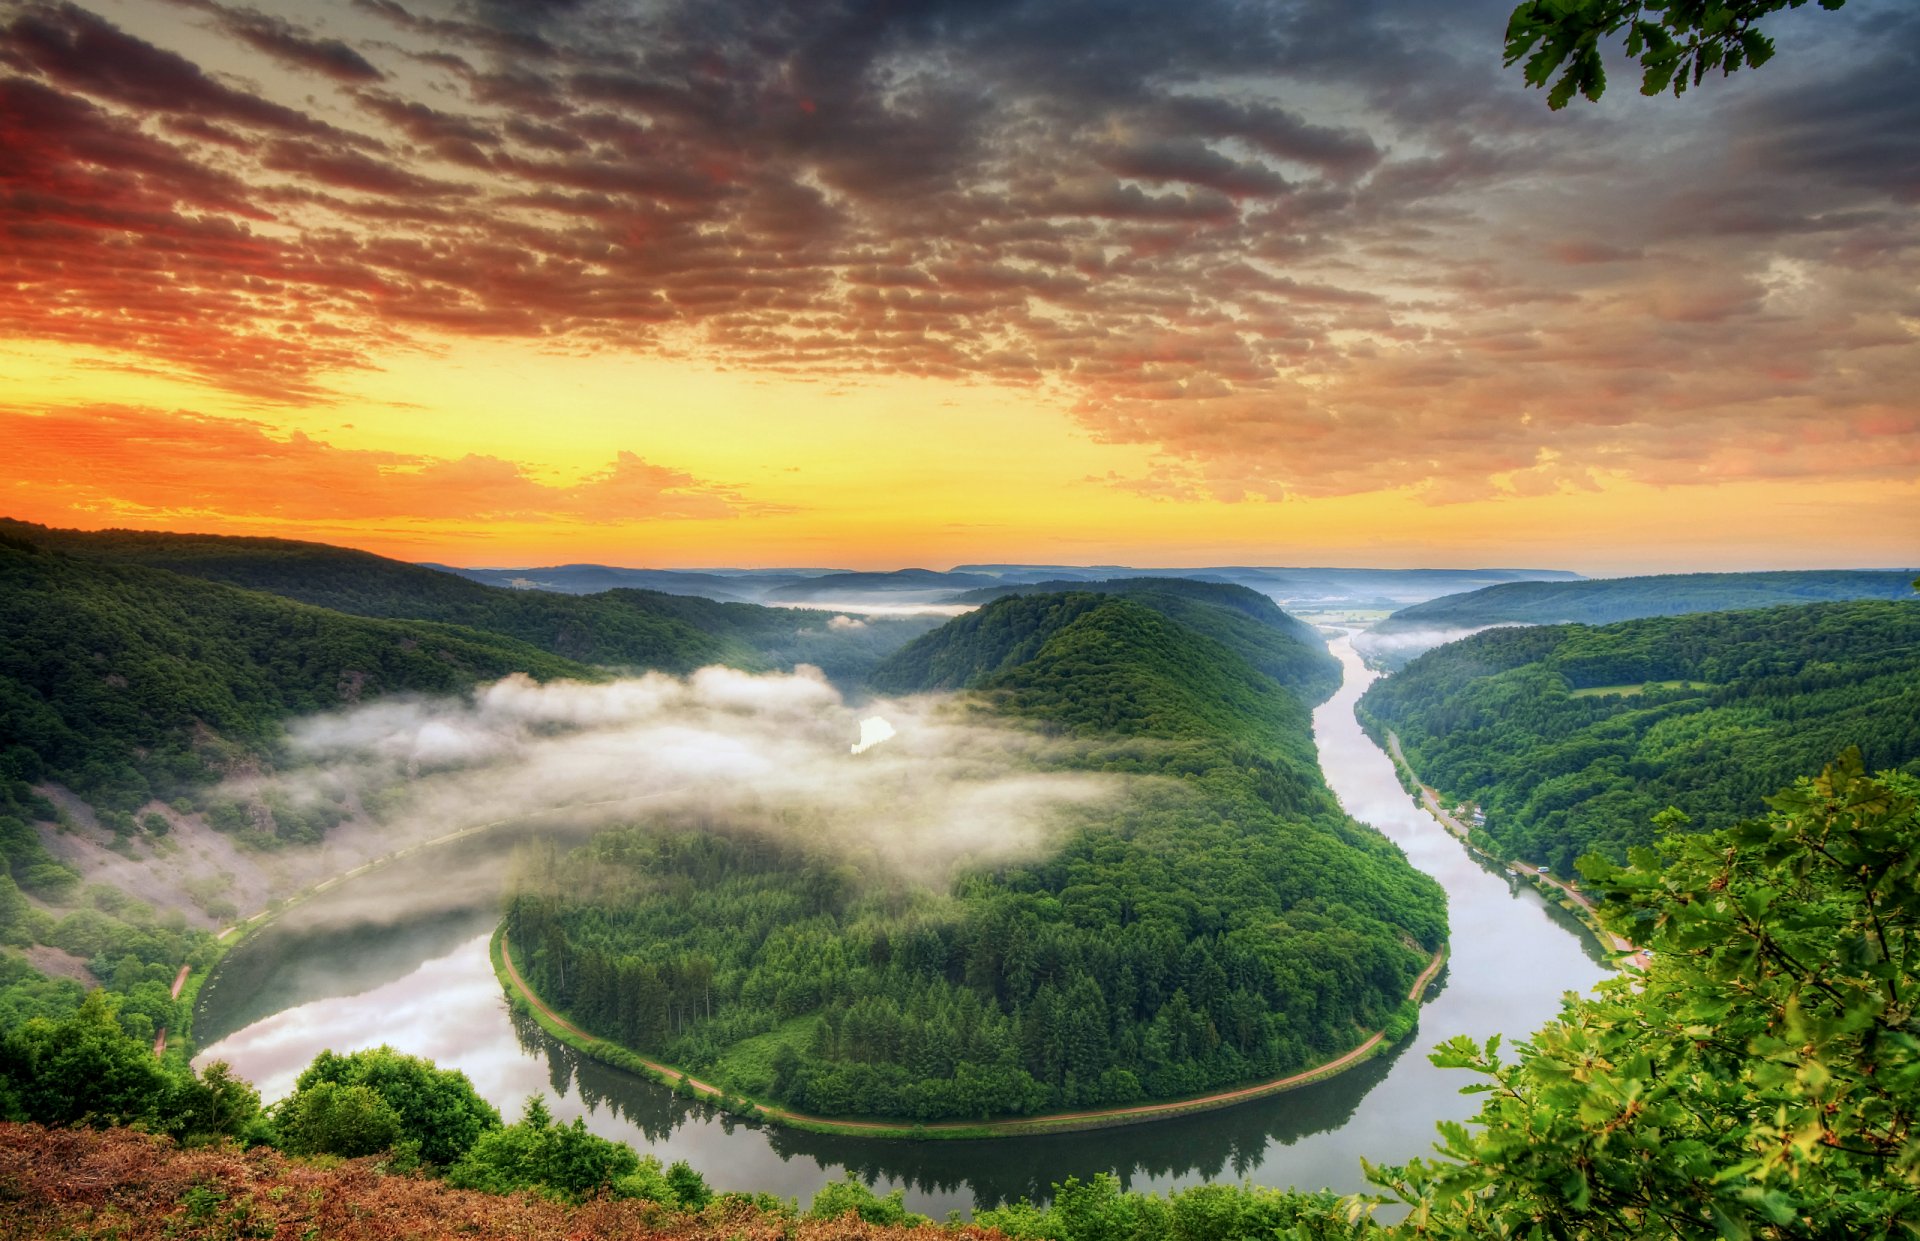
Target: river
339,973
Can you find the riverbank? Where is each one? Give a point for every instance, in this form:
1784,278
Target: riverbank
230,937
1567,896
323,978
616,1056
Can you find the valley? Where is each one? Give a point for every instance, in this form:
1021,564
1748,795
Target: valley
1116,889
427,984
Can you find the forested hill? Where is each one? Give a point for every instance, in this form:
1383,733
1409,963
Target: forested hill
1605,600
127,683
628,629
1018,620
1573,737
1223,924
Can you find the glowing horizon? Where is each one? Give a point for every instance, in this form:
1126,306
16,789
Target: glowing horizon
605,281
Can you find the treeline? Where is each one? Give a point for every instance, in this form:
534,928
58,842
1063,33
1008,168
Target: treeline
1226,924
129,684
1572,738
1606,600
1760,1079
620,629
994,639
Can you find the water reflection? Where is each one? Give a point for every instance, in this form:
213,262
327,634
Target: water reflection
1230,1144
346,973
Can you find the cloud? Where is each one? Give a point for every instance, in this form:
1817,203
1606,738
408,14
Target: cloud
80,51
768,754
147,464
1395,647
1295,249
290,45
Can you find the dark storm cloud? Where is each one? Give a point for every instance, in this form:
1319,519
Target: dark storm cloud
1305,247
83,52
1859,129
286,43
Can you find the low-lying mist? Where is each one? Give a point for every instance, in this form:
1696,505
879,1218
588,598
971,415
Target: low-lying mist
1394,648
723,749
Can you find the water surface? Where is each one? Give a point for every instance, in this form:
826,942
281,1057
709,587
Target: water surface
343,973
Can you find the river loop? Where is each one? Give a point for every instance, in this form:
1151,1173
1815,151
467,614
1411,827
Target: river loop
342,972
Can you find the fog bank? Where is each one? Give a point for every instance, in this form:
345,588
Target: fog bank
776,753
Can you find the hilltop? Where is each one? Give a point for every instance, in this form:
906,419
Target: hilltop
126,682
1573,737
619,628
1223,923
1008,631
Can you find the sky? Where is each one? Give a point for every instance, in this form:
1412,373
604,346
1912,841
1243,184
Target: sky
873,283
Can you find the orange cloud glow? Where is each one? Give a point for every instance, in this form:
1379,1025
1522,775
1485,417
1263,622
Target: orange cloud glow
870,284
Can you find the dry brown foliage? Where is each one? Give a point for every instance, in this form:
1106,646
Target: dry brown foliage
129,1186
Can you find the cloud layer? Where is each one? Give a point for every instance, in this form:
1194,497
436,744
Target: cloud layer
1306,248
737,751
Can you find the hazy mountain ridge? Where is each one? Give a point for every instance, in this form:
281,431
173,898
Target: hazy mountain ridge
1604,600
729,586
616,628
1371,588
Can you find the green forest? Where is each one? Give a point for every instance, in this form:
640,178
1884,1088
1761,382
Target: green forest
137,666
1572,738
1761,1079
1604,600
1226,924
128,684
617,629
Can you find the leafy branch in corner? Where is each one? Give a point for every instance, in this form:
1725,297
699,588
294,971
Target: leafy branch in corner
1676,42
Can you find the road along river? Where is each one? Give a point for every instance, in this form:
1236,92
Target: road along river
343,971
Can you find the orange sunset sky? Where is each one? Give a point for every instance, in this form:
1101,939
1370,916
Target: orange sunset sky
871,283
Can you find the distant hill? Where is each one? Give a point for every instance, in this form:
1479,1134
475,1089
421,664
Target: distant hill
1320,588
127,683
630,629
1603,601
1423,626
917,582
1002,634
1573,737
1222,922
732,586
1304,587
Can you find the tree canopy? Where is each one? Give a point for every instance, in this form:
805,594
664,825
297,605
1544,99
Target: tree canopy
1572,737
1761,1078
1676,43
1224,923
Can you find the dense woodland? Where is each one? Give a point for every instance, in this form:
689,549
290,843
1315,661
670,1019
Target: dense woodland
1572,738
618,629
1606,600
136,666
128,684
1761,1079
1224,925
1245,621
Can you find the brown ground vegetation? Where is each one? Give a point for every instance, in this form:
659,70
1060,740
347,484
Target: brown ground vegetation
61,1183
